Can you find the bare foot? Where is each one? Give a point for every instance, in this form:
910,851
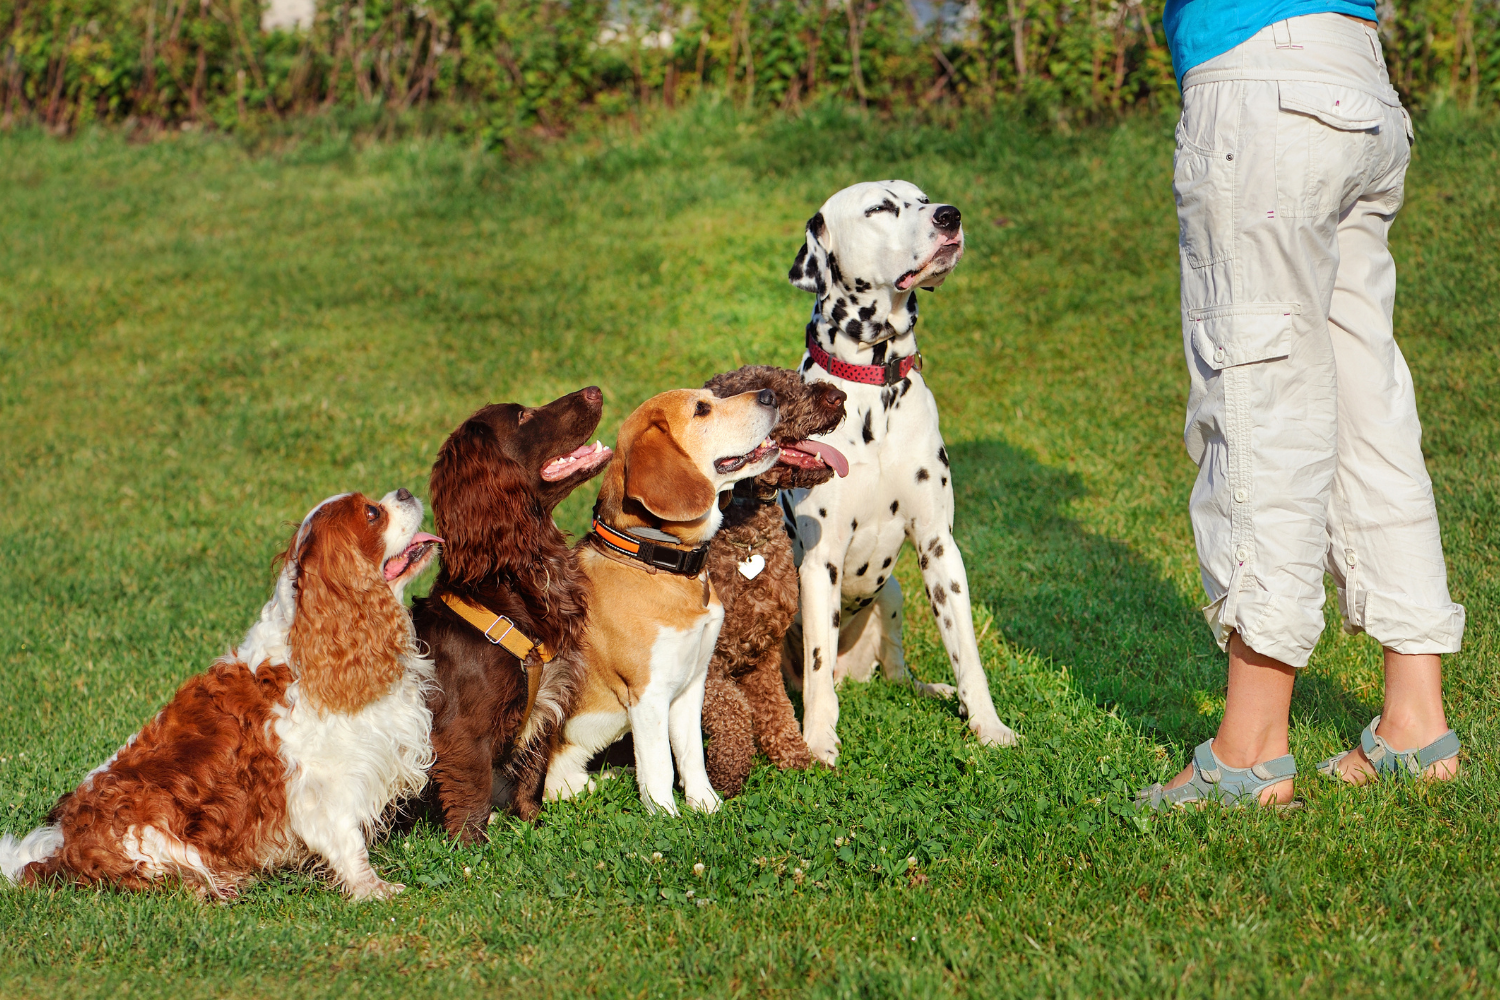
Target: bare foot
1279,794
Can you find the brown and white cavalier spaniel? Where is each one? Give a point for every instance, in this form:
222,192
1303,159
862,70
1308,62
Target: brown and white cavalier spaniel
289,749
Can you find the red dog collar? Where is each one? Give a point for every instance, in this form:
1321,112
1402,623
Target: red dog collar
889,373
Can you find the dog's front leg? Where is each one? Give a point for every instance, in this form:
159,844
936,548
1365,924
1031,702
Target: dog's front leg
685,725
325,820
820,650
948,591
649,719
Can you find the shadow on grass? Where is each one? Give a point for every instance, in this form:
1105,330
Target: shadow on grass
1127,637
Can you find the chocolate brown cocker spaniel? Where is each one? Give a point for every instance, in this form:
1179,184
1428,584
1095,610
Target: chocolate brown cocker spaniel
505,618
750,562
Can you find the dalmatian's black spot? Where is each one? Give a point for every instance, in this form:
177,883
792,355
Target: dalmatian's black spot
886,563
932,544
943,456
888,394
839,312
934,610
853,328
940,595
822,511
836,616
816,227
879,580
867,312
833,270
806,365
817,660
944,481
955,588
854,524
878,356
947,623
895,505
922,562
866,432
923,475
833,573
861,285
905,385
885,206
911,305
938,552
861,570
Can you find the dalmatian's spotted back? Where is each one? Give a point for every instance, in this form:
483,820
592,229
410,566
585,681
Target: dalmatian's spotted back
866,253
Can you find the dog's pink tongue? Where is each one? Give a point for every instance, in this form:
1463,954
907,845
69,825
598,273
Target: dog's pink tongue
827,453
423,536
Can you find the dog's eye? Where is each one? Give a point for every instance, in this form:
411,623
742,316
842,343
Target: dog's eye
372,513
525,416
703,409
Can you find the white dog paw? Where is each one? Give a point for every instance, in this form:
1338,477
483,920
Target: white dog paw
704,802
375,888
653,806
993,733
934,690
824,749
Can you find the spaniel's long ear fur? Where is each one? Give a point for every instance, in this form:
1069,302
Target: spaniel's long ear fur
661,476
483,504
349,632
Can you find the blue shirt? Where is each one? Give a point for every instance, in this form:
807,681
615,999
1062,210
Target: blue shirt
1198,30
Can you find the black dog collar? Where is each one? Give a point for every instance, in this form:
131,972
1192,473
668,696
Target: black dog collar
685,562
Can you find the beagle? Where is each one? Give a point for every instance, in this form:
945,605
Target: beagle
653,615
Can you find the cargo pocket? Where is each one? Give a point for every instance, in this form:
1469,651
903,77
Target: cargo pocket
1203,184
1317,143
1225,336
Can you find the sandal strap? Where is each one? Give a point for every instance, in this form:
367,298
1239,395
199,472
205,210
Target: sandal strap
1213,779
1388,760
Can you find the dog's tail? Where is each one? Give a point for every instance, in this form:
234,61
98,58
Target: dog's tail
38,845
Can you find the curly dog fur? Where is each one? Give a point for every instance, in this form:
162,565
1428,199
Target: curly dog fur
745,701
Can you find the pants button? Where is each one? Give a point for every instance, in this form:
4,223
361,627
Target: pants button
1240,496
1242,552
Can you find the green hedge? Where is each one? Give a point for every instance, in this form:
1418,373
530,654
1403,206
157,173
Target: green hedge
500,68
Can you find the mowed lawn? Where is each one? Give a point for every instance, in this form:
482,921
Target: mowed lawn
197,345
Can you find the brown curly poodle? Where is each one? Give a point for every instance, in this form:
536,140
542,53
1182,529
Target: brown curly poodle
750,562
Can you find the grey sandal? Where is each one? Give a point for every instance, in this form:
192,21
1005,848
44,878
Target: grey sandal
1388,761
1215,781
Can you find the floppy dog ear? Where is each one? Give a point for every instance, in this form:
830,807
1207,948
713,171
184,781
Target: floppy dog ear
663,479
349,631
809,269
481,501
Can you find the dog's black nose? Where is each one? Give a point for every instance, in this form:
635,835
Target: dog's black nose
766,398
403,494
946,218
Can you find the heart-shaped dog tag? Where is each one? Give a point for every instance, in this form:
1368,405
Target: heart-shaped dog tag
750,568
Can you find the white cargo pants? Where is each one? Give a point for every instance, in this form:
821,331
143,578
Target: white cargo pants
1291,156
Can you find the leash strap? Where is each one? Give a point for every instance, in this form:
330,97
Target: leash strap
684,562
508,638
889,373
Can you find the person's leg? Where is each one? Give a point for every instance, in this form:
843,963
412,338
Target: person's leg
1254,727
1412,716
1385,551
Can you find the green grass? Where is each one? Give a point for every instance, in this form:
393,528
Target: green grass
196,346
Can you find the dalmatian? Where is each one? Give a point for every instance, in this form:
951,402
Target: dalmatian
867,251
